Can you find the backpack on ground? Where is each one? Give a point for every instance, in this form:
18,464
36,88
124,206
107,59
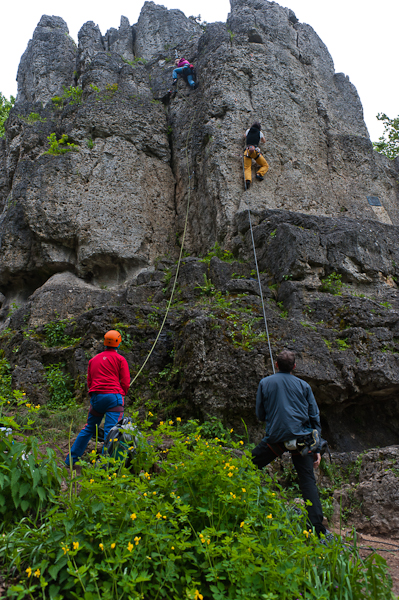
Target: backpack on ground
123,439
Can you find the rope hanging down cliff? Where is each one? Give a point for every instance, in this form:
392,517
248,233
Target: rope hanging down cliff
177,268
257,272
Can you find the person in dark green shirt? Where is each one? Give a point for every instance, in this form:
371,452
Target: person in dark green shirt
290,410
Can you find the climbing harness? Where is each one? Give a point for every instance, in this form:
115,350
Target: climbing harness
177,268
257,272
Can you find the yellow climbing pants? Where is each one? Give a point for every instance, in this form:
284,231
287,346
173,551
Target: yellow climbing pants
259,159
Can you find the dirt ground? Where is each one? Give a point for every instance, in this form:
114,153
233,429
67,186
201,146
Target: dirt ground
388,548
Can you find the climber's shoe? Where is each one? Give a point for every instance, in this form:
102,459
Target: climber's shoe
174,82
247,184
259,177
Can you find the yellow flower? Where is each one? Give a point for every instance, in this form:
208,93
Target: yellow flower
202,540
101,546
29,571
65,549
37,573
306,533
164,517
242,523
158,515
178,419
231,430
133,516
136,540
130,546
269,516
161,423
28,405
93,452
8,402
230,474
150,414
113,545
109,478
93,461
244,490
145,493
154,493
170,422
172,548
91,480
75,545
123,476
37,406
198,596
241,442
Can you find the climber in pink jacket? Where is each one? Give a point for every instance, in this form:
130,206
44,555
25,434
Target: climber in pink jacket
185,70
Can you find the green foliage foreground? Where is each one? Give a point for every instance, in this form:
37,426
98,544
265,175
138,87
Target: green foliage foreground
388,143
205,525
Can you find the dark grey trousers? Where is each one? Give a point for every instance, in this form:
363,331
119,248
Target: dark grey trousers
262,455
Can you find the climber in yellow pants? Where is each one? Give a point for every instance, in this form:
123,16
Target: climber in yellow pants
253,137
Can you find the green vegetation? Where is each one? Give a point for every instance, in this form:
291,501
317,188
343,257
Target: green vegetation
60,146
208,288
71,94
55,334
60,385
342,345
332,284
206,525
388,144
5,107
90,144
220,253
32,118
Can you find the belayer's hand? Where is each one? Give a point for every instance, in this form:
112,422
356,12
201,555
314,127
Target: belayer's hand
316,460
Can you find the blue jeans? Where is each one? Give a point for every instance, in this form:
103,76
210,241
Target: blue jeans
109,404
180,71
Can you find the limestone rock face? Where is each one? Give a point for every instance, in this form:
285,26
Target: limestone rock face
91,235
374,498
48,62
159,30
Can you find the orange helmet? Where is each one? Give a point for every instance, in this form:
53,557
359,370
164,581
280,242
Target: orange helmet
112,338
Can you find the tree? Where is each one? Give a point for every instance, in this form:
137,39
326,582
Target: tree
388,143
5,107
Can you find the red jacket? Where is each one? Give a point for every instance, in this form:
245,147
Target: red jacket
108,373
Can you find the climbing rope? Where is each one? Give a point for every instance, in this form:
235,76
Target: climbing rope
257,271
177,269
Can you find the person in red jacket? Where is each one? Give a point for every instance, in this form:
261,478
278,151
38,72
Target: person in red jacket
108,380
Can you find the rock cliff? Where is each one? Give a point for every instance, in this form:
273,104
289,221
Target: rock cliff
91,235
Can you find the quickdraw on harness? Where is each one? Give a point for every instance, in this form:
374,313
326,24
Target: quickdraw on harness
250,150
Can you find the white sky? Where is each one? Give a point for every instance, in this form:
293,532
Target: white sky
361,35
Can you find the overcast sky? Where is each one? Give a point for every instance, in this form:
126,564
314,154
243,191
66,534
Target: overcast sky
361,35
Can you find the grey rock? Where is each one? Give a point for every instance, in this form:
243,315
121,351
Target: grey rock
141,294
65,296
159,29
121,40
374,499
89,43
48,62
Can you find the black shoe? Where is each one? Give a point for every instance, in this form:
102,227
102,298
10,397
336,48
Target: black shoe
174,82
259,177
247,184
195,86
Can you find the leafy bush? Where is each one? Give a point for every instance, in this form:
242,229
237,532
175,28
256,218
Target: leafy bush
55,334
220,253
60,146
73,94
5,107
332,284
202,526
32,118
27,479
60,385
